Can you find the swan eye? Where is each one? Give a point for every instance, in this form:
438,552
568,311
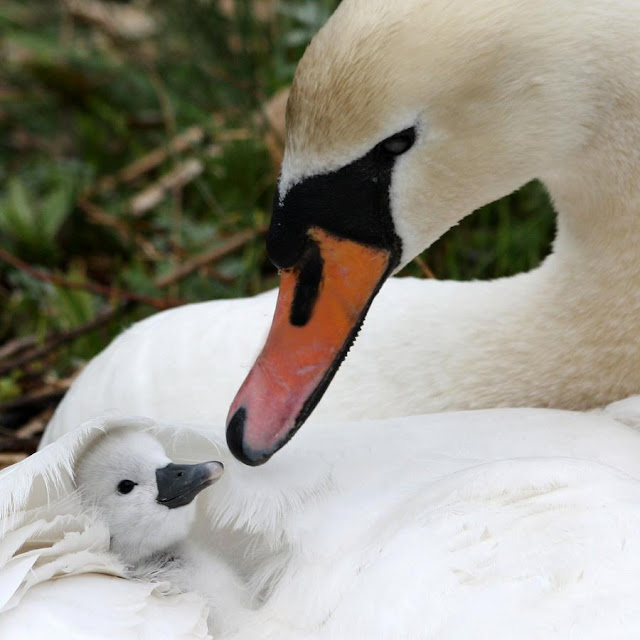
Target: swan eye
399,143
126,486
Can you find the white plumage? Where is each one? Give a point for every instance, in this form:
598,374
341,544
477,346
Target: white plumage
59,579
158,543
479,525
99,607
483,525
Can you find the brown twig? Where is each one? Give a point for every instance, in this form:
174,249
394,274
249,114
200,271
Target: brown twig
233,135
7,459
15,412
98,289
117,21
424,267
98,215
182,142
244,85
56,341
19,445
179,176
175,179
208,257
35,401
36,425
13,347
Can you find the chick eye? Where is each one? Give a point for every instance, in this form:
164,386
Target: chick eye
399,143
126,486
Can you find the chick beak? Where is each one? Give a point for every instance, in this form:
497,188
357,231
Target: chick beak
179,484
322,302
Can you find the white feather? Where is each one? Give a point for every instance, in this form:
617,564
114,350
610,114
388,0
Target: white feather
471,524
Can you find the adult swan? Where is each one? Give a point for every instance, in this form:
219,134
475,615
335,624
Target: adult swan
403,118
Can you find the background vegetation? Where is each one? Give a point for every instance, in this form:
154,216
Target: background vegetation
139,148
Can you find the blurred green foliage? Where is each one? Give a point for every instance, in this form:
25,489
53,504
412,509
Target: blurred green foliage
80,100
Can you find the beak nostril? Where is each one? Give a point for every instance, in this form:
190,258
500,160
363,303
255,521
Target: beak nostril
307,287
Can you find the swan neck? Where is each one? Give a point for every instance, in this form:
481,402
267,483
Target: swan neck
598,205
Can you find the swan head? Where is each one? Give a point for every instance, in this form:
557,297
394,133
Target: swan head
145,499
403,118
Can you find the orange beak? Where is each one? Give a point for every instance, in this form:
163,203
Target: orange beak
322,302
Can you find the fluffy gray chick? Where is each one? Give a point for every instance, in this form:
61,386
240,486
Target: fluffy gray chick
148,504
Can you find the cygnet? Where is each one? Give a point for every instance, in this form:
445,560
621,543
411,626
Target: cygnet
148,504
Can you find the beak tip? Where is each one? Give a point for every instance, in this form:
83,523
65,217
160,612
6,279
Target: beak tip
236,441
215,469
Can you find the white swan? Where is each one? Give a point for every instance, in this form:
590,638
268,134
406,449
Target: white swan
59,579
403,118
148,505
483,524
481,97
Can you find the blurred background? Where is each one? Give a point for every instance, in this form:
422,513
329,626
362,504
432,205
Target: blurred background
140,144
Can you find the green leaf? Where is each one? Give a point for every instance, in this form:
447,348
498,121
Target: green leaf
17,215
55,207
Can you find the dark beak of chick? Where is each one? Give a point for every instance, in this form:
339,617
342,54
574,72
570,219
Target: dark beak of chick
179,484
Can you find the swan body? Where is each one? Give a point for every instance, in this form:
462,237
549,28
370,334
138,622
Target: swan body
475,524
97,606
185,365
